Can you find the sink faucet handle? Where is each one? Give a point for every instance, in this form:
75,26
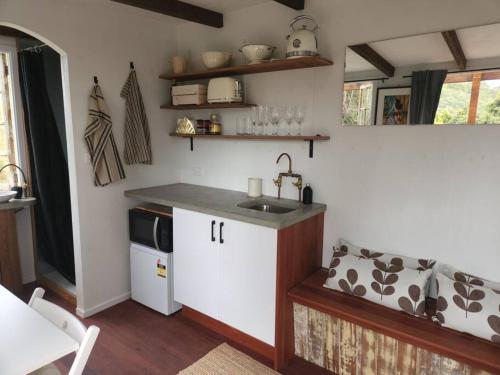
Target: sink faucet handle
277,182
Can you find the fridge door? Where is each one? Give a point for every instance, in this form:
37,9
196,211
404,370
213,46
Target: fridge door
150,277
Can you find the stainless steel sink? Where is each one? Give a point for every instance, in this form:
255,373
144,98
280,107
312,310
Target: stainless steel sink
266,206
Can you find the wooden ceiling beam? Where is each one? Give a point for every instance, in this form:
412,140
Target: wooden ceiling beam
179,9
294,4
469,76
373,57
451,39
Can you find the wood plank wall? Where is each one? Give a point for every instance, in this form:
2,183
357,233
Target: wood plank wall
348,349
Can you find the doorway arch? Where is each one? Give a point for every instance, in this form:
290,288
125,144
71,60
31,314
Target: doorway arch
70,149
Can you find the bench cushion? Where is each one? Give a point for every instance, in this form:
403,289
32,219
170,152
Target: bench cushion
407,262
469,308
422,333
389,285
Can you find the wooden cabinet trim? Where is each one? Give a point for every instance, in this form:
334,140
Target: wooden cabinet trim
300,251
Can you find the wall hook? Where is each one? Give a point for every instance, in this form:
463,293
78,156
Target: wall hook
132,65
96,81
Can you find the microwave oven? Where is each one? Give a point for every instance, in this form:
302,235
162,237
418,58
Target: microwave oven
152,226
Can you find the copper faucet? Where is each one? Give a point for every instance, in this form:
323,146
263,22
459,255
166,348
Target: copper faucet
278,182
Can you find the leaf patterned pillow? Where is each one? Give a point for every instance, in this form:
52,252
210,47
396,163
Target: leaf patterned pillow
407,262
454,274
387,284
468,308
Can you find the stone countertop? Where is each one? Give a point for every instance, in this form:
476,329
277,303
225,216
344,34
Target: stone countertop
223,203
18,204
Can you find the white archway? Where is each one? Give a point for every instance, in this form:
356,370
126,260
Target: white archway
71,153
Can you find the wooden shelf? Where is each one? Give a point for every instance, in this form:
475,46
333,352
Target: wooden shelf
257,137
208,106
271,66
309,138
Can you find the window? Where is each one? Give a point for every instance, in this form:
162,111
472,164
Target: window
470,98
357,103
8,151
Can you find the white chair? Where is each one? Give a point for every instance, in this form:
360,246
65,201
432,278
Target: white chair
71,326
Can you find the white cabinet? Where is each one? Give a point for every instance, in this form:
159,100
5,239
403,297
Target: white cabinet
197,275
232,279
248,290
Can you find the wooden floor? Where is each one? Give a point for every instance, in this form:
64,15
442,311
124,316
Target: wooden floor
137,340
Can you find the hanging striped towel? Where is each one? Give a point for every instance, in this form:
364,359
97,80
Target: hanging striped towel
137,138
101,143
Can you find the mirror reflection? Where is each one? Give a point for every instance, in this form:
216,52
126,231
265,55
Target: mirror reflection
449,77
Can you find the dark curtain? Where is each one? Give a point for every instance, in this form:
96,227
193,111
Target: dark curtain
426,89
49,170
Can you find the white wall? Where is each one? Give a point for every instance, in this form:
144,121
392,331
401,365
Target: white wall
99,37
418,191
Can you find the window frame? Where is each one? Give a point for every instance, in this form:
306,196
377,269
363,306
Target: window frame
16,105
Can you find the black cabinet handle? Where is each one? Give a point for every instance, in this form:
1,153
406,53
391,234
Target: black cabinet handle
221,240
213,236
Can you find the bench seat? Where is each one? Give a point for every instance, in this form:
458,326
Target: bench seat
422,333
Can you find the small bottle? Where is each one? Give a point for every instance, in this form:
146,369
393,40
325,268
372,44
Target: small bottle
215,125
307,194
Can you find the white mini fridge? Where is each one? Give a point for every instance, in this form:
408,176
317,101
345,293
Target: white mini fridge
152,278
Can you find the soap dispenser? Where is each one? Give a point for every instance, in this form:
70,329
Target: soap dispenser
307,194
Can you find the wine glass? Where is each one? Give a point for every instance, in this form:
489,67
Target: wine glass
255,118
248,126
289,116
299,118
241,126
260,120
275,119
267,120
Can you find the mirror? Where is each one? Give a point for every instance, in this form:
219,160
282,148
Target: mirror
441,78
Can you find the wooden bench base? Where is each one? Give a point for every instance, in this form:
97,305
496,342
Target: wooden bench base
348,335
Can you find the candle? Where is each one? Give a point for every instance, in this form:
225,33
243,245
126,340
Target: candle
254,187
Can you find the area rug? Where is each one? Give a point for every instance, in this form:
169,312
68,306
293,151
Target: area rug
225,360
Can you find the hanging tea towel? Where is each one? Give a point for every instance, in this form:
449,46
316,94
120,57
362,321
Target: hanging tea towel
101,143
137,138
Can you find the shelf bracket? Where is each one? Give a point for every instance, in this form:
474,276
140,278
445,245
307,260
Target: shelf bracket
191,143
311,148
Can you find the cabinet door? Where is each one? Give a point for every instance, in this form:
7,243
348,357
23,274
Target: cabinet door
196,262
248,289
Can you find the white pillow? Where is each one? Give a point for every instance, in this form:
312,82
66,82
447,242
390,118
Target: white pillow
454,274
407,262
390,285
468,308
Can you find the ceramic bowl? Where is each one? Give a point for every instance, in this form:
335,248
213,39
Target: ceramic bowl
6,196
256,53
215,59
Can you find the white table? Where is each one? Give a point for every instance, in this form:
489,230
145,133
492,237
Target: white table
28,341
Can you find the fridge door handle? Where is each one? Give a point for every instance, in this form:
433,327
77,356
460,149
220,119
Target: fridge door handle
221,240
213,235
155,233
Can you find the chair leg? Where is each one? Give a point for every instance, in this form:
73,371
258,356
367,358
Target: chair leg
37,293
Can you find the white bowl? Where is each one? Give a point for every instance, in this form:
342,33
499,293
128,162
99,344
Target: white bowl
255,53
215,59
6,196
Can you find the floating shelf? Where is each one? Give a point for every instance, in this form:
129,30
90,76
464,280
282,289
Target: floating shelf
309,138
271,66
208,106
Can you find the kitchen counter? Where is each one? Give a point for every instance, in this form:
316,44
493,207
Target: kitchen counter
18,204
223,203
